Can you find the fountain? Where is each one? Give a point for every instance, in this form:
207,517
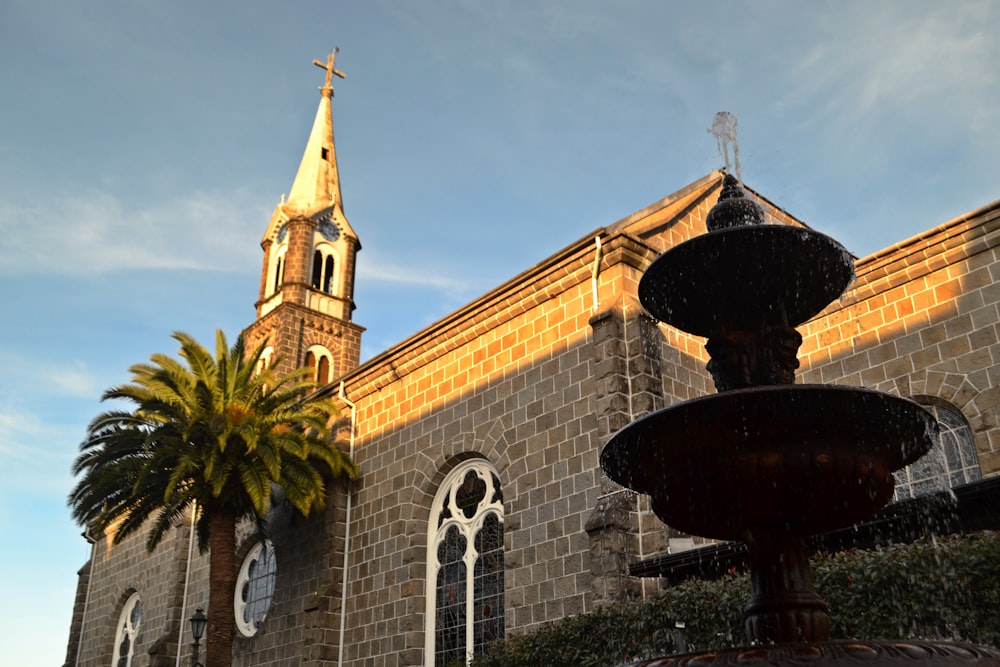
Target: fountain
767,461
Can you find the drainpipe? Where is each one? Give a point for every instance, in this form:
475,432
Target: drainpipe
347,534
187,581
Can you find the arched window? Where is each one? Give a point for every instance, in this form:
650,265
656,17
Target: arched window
255,588
322,270
323,370
127,634
950,463
318,359
279,273
265,359
277,277
465,565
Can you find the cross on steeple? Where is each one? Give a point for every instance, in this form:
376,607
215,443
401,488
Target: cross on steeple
328,66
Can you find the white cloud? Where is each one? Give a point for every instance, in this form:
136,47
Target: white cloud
35,454
887,60
79,382
375,269
98,234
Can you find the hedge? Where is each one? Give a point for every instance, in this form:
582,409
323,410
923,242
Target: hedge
942,589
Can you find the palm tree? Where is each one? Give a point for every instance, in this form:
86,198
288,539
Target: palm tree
217,434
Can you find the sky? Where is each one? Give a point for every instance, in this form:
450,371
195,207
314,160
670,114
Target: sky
144,144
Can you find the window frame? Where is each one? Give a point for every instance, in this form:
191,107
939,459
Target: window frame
932,475
257,553
468,528
127,625
323,265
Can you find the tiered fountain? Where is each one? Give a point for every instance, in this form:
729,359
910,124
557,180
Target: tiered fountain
767,461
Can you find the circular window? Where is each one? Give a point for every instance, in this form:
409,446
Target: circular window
254,588
128,632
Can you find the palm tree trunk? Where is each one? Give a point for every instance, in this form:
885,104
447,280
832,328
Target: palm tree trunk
221,588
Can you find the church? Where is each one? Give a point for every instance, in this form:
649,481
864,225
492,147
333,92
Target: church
481,510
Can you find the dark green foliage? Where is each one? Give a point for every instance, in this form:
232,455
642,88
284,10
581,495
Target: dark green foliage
948,589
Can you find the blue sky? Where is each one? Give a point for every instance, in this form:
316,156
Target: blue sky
146,142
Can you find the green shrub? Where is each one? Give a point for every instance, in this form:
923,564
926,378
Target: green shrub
945,589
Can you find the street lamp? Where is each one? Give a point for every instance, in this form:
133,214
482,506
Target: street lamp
198,623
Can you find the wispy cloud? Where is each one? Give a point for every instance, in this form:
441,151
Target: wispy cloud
35,454
377,269
97,234
887,60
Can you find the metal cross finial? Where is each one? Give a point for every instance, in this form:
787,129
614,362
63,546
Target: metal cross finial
328,66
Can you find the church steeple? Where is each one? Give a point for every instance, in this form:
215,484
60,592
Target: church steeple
307,281
317,180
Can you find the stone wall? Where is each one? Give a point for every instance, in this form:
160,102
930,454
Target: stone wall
117,571
922,320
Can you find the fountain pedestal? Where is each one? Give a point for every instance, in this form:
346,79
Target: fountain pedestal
766,461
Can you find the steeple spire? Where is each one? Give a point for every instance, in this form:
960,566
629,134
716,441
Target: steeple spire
317,182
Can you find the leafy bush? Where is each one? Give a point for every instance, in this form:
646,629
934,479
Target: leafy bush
945,589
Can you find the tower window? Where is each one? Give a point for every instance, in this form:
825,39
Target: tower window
322,271
276,269
325,152
318,360
279,272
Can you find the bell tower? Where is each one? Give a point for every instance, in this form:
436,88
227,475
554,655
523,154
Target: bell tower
306,297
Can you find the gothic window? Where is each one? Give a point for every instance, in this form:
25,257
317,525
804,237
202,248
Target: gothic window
318,359
952,462
127,633
465,560
322,270
254,588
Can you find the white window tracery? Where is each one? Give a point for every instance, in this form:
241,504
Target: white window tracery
255,588
465,564
952,462
127,633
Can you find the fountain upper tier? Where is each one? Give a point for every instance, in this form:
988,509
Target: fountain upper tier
744,277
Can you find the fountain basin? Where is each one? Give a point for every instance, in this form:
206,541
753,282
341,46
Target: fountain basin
799,458
876,653
741,277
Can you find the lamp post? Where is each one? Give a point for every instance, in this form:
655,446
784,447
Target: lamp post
198,623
